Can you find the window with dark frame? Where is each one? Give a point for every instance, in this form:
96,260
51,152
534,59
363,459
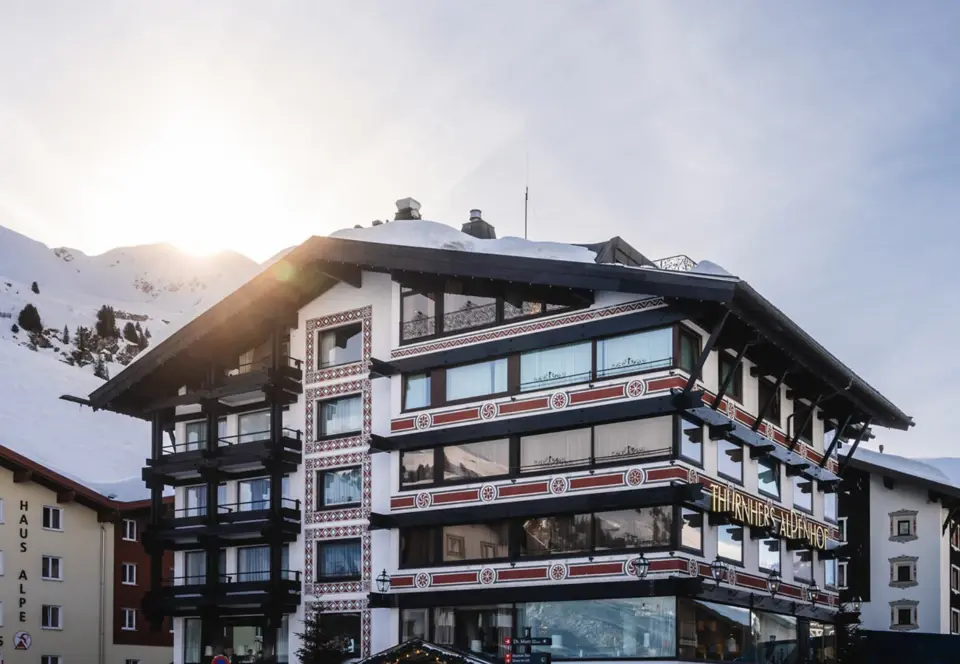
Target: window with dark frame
416,391
904,528
339,487
842,574
903,572
802,418
338,559
730,460
341,345
803,493
766,394
340,417
728,364
691,533
769,554
803,565
768,477
691,441
730,543
689,351
904,616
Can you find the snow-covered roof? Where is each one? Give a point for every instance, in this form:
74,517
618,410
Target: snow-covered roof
928,471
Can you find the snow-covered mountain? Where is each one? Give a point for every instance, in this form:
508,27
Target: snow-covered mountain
157,287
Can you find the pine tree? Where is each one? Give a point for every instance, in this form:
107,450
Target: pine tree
29,319
142,342
107,323
66,335
82,338
147,333
100,369
137,327
14,328
130,333
320,645
35,288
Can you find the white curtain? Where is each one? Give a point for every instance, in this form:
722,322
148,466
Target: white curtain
191,641
341,487
635,352
636,438
477,379
558,449
555,366
283,645
341,416
255,494
195,501
253,563
254,426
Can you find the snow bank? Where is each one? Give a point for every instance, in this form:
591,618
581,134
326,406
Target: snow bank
709,268
434,235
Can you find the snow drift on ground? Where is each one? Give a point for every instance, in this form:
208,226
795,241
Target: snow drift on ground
434,235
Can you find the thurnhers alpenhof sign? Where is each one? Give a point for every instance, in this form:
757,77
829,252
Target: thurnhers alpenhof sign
751,511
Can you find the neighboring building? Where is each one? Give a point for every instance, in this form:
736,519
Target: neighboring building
61,557
623,455
903,544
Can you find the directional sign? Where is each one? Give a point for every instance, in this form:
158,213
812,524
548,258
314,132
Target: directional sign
528,641
527,658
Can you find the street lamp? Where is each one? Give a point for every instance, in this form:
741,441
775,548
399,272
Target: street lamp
717,569
813,593
773,583
383,582
857,604
641,566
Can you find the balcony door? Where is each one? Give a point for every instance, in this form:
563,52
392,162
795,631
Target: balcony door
253,563
255,494
195,500
195,567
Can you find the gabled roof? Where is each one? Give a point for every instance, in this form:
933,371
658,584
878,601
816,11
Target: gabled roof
910,471
321,262
418,651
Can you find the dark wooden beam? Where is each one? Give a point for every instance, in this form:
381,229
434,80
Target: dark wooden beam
348,274
108,517
66,496
22,475
705,353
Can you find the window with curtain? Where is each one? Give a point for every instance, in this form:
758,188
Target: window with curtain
636,438
769,554
338,559
418,314
479,379
416,391
416,468
488,458
192,650
640,351
768,477
541,369
253,563
196,433
254,426
633,528
802,493
195,500
691,534
340,487
254,494
730,460
568,533
340,346
730,543
338,417
195,566
691,441
555,450
462,312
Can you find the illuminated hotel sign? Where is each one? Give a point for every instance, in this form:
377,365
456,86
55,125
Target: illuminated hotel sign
754,512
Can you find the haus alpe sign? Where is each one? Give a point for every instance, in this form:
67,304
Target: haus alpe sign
754,512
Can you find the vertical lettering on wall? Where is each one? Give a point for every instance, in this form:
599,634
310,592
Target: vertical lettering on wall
23,523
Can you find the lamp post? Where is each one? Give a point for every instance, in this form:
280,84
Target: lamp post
383,582
773,583
857,604
813,593
717,569
641,566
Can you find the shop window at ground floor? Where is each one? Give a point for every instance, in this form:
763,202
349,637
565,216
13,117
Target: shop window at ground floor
630,628
239,638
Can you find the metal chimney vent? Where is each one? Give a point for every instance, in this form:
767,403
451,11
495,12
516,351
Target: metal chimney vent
407,208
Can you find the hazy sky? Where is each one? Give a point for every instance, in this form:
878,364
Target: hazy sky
811,149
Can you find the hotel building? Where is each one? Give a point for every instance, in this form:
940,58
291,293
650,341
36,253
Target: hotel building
575,442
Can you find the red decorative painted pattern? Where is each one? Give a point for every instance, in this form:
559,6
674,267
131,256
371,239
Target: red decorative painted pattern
528,327
514,407
602,394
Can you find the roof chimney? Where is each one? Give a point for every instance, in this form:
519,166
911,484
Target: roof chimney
407,208
479,228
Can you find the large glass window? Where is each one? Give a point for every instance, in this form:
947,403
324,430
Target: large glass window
196,434
488,458
632,529
769,554
340,416
830,573
195,500
640,627
416,468
340,346
338,559
768,477
343,630
830,507
636,438
555,450
689,350
339,487
802,493
195,566
479,629
803,566
472,380
462,312
711,631
691,441
253,563
775,638
476,541
541,369
254,426
255,494
416,391
639,351
730,543
556,534
418,312
727,365
766,393
691,536
730,460
417,547
414,624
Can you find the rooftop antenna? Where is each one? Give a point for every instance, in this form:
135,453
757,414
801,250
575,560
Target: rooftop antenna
526,197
